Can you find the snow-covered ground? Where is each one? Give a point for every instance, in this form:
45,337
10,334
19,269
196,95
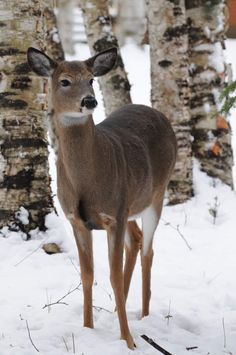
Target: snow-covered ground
193,291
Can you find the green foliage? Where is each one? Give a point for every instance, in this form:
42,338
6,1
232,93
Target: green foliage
209,4
228,98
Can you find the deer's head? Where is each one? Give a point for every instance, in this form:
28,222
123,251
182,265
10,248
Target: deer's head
72,82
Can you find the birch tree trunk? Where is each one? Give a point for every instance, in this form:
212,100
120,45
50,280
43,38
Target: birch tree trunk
168,38
115,85
212,139
24,176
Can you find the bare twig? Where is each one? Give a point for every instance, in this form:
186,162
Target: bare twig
67,349
155,345
213,210
73,342
223,323
101,309
108,294
168,315
177,228
48,301
75,266
62,298
27,325
28,255
185,218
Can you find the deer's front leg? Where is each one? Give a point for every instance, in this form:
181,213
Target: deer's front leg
84,243
115,248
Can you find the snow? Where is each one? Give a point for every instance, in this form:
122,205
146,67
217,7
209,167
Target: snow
23,215
193,291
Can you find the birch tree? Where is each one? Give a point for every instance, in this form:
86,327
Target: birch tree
25,193
115,85
212,140
168,39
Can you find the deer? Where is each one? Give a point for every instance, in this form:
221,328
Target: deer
108,174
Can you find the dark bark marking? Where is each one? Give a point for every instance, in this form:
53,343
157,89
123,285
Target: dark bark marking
175,2
2,24
165,63
37,13
24,142
177,11
21,180
9,51
201,98
103,43
175,32
22,68
196,35
120,82
12,104
21,82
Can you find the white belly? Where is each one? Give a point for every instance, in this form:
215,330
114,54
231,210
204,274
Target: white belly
150,220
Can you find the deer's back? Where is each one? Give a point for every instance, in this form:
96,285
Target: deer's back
141,127
145,140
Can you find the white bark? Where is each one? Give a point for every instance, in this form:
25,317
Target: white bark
114,85
25,180
212,138
168,38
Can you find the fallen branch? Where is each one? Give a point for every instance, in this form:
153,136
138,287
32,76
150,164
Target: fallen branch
192,348
27,325
155,345
62,298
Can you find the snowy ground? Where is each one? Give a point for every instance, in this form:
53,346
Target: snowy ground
193,291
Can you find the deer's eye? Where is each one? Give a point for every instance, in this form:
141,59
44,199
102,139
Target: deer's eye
65,82
91,82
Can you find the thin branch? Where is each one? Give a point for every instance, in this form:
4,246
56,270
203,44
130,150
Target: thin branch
192,348
73,342
168,315
28,255
101,309
75,267
155,345
223,323
67,349
108,294
62,298
177,228
27,325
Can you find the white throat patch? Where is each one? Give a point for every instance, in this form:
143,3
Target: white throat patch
68,119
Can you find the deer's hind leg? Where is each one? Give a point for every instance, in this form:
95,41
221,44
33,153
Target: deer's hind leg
150,219
133,240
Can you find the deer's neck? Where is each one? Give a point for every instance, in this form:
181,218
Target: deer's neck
76,148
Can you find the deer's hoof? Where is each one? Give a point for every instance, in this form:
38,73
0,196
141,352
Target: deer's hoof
130,342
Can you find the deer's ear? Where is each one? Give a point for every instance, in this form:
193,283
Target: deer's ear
102,62
40,63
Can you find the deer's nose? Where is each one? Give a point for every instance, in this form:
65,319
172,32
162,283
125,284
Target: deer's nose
89,102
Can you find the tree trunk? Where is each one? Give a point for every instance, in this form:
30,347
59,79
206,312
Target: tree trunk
115,85
212,140
24,176
168,38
